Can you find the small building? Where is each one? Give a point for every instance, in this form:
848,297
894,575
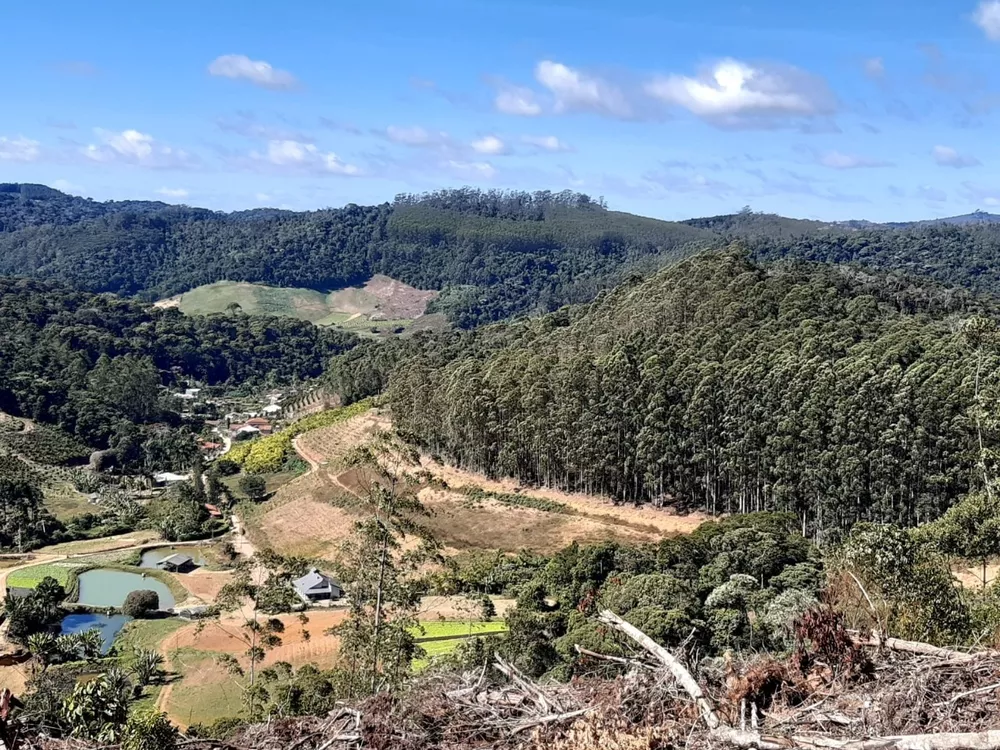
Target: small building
209,447
177,563
168,477
213,510
271,409
243,431
261,424
192,613
315,586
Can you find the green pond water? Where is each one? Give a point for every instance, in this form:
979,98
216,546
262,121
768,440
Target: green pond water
108,588
152,556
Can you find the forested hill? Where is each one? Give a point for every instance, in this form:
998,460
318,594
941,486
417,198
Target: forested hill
495,254
715,383
93,364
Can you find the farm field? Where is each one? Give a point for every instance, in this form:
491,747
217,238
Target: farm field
29,578
467,511
382,303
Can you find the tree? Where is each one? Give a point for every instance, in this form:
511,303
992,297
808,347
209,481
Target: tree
148,729
376,641
971,529
254,487
98,709
140,603
259,588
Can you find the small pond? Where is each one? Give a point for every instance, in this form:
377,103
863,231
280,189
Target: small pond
108,625
152,556
108,588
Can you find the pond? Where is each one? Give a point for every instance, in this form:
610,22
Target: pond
108,588
152,556
108,625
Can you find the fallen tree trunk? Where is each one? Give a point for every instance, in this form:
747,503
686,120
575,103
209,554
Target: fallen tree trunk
723,733
916,647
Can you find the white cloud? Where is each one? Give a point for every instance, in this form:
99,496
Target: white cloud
475,169
19,149
134,147
840,160
67,187
516,100
577,91
489,144
173,192
305,156
987,17
262,197
735,93
875,68
257,72
546,143
946,156
416,136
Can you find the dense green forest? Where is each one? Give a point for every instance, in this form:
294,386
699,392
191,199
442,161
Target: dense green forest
496,254
94,363
717,383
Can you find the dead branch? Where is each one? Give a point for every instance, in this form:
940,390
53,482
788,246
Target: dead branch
615,659
668,660
549,719
916,647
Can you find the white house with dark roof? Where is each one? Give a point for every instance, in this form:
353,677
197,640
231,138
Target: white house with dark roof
315,586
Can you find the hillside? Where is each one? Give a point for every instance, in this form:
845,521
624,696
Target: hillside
493,254
715,384
381,305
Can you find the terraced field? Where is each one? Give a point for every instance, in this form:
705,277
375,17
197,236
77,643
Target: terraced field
468,511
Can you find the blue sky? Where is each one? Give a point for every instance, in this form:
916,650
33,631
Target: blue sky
884,109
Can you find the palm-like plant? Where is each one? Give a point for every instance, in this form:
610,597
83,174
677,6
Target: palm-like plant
146,666
91,643
42,646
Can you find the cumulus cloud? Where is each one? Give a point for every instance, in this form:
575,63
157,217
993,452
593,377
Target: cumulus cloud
840,160
19,149
173,192
517,100
134,147
489,144
257,72
574,90
546,143
735,93
987,17
303,156
946,156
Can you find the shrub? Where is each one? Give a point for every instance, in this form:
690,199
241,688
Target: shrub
226,467
253,487
140,603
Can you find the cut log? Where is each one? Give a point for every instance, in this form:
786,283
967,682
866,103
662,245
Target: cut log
916,647
678,670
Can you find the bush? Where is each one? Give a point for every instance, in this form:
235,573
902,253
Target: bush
226,467
140,603
253,487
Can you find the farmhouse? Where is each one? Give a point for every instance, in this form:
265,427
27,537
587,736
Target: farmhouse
261,424
213,510
177,563
315,586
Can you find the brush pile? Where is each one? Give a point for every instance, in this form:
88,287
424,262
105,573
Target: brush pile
839,689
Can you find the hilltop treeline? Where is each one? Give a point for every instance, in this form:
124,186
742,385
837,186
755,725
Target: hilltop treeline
717,383
90,362
496,254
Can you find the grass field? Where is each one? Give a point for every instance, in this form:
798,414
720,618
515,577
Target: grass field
29,578
382,303
147,634
440,638
64,502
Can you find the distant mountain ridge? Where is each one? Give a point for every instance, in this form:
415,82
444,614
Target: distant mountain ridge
491,254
